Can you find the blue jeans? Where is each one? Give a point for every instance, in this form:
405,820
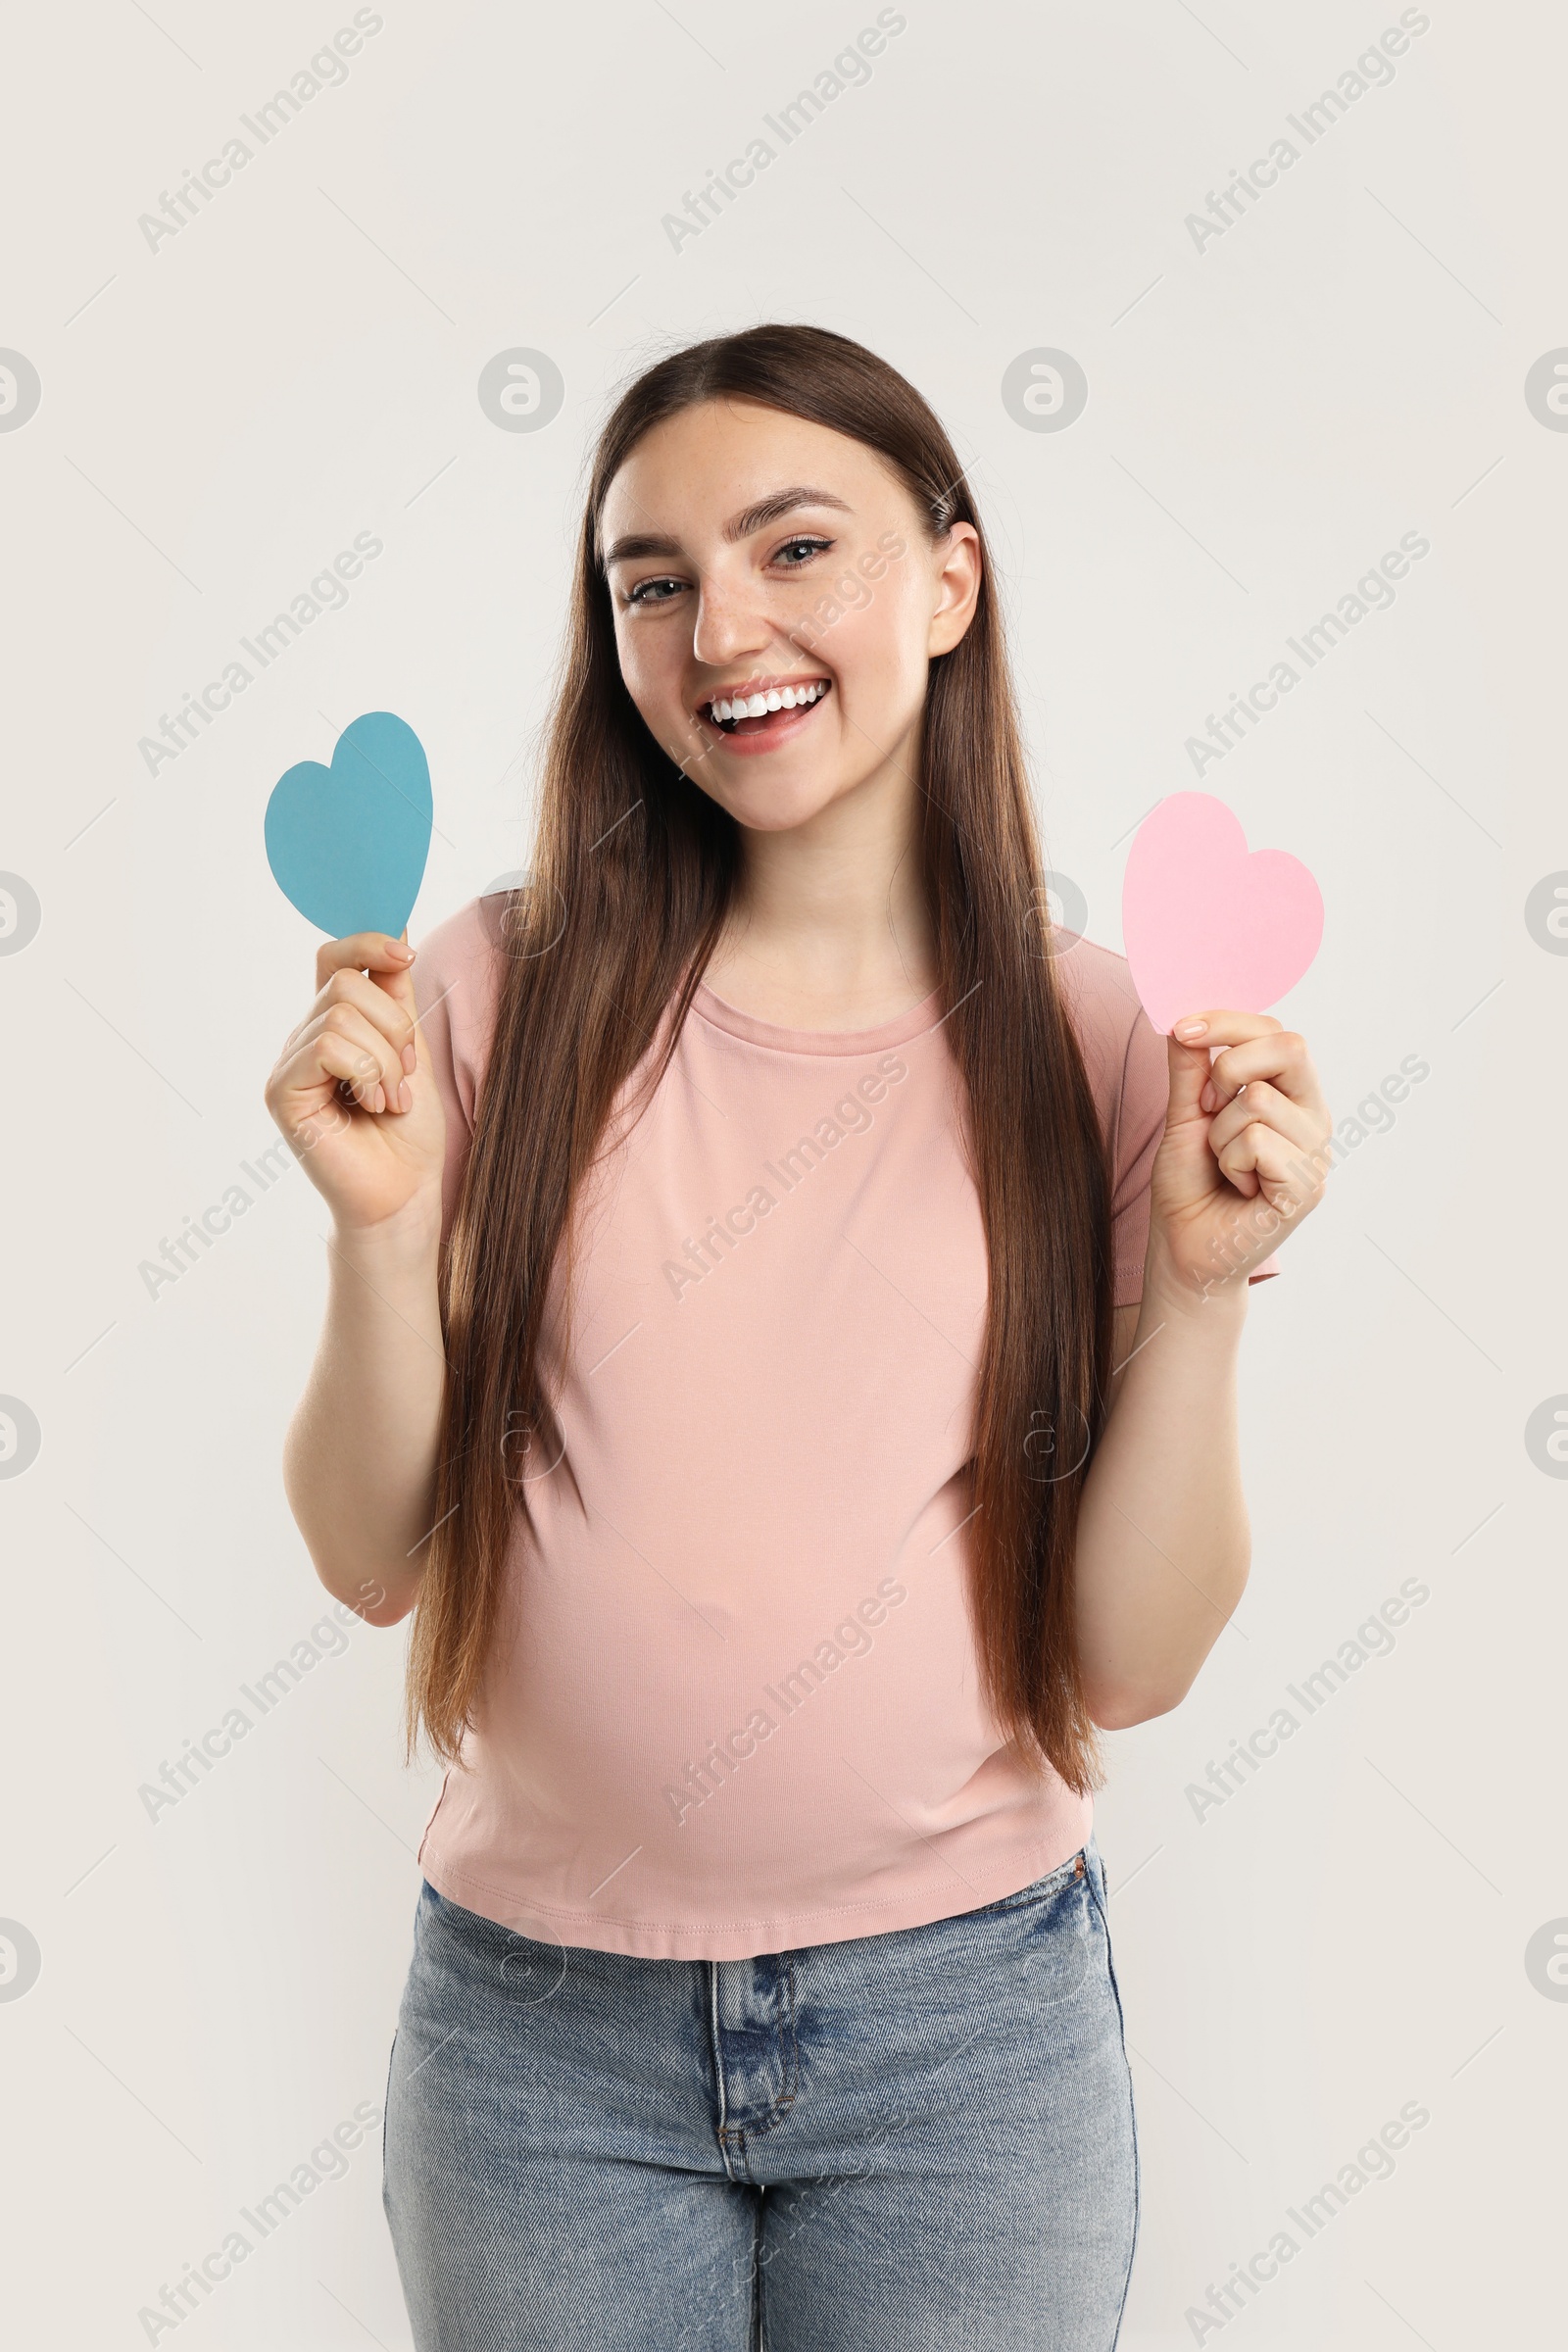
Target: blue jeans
918,2139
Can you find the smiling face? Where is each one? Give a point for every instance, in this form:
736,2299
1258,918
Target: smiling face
777,601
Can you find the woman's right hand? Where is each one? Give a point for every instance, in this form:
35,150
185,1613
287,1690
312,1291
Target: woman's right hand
380,1156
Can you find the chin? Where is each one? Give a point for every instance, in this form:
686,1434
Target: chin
775,806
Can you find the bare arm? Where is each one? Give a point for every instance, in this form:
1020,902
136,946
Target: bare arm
359,1463
1163,1546
1163,1543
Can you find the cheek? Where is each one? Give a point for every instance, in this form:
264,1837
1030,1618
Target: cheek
878,647
650,668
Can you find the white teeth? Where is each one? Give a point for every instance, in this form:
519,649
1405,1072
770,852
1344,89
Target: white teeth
776,697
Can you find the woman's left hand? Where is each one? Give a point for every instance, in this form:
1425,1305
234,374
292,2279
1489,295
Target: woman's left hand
1244,1153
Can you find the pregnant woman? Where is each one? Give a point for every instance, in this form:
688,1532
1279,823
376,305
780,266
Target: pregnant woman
784,1312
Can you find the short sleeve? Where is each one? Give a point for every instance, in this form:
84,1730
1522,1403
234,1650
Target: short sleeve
457,986
1137,1124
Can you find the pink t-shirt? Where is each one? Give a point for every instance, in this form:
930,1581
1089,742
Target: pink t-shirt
736,1706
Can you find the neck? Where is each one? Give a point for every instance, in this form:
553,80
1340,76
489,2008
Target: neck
829,928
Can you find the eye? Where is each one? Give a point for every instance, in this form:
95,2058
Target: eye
799,549
653,592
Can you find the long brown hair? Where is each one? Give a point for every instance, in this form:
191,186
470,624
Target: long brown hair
633,872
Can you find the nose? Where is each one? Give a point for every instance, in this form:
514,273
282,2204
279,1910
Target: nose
729,624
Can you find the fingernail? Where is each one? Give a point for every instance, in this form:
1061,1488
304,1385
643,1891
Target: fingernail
404,1099
1208,1099
401,950
1187,1031
378,1098
410,1058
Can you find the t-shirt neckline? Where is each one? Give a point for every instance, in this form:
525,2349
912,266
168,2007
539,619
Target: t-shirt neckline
897,1032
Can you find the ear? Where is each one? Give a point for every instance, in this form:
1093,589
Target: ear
955,579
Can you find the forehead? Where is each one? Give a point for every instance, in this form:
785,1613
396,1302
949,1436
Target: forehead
692,473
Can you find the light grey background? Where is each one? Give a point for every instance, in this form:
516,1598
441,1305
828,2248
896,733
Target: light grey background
1266,416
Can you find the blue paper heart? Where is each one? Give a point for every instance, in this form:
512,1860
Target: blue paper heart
347,844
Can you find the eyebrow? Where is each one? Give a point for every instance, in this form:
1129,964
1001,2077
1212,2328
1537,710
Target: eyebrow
739,526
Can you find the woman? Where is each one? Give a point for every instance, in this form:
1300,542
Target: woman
784,1312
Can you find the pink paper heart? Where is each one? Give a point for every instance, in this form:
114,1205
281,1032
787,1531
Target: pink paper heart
1204,924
